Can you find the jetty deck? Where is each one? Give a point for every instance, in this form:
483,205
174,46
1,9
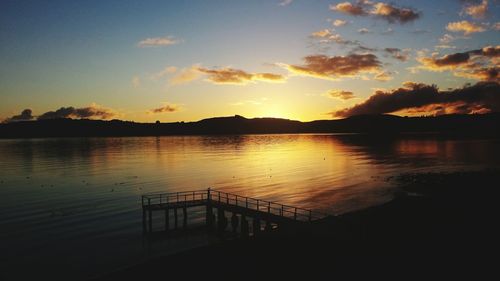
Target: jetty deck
242,208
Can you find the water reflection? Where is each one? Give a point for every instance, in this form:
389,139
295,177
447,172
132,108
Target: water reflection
82,193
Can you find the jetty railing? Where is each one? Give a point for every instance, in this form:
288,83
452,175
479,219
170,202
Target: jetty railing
217,197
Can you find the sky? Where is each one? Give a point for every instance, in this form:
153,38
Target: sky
298,59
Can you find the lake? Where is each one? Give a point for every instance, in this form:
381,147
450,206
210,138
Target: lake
70,207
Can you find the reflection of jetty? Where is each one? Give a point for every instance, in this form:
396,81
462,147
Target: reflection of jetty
243,209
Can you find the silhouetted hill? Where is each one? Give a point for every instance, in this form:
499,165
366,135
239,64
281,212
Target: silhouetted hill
485,124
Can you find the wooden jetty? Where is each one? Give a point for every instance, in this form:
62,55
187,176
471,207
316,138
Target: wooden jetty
242,210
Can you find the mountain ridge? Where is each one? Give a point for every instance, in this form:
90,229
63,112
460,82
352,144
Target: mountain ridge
483,124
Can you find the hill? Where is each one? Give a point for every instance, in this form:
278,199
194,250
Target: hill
484,124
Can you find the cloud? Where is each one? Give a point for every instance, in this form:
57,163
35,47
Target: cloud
483,73
325,36
224,75
496,26
167,108
388,12
25,115
383,76
238,77
186,75
285,2
447,38
394,14
444,46
445,62
349,8
339,23
93,111
397,53
325,67
322,33
475,64
464,26
136,81
158,42
166,71
481,97
340,94
364,31
476,11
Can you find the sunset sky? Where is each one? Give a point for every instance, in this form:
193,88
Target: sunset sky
296,59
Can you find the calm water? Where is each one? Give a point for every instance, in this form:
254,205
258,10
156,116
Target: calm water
71,206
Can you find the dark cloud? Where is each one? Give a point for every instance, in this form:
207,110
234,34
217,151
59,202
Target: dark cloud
340,94
393,14
383,76
165,108
484,74
239,77
481,97
451,60
489,51
92,112
326,67
397,53
26,115
481,64
386,11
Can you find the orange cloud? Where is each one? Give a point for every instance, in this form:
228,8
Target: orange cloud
349,8
484,74
339,23
238,77
388,12
464,26
321,34
340,94
383,76
165,109
186,75
477,11
325,67
392,13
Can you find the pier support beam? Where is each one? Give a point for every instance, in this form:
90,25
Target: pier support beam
256,226
150,215
167,219
244,227
175,218
144,222
209,216
184,218
268,227
234,222
221,220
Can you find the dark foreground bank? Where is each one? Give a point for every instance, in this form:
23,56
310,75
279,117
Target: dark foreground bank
441,226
